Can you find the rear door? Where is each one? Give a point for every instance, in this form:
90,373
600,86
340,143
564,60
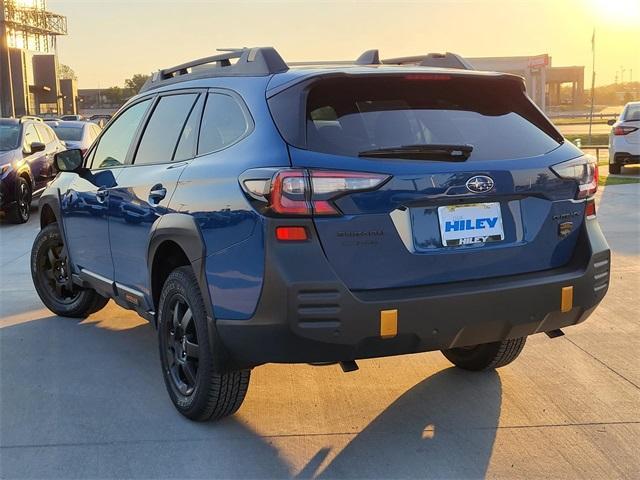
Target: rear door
144,190
441,217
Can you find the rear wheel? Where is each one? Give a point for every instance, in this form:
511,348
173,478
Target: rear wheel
486,356
51,275
614,168
21,209
197,387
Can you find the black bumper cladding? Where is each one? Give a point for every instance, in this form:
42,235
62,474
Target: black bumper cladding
306,314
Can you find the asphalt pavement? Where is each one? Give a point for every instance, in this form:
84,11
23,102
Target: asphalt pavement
86,399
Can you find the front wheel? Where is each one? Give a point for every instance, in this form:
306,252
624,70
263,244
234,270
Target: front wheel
51,274
20,211
197,387
486,356
614,168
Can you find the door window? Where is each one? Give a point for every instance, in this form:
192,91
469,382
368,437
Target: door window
30,136
223,123
115,142
187,145
164,128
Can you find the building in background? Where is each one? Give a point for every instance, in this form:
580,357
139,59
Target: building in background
29,82
543,81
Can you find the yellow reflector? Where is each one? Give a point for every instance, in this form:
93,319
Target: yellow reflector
388,323
567,299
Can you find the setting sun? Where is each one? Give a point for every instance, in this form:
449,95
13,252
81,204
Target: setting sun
620,12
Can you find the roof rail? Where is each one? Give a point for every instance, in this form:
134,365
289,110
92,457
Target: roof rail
250,61
441,60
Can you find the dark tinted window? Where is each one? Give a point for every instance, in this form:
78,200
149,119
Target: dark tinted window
9,136
346,116
114,144
223,123
72,134
163,130
187,144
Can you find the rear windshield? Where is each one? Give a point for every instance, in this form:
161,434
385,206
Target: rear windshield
9,136
348,115
71,134
632,113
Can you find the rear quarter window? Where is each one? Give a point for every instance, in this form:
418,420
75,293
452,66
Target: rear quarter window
224,122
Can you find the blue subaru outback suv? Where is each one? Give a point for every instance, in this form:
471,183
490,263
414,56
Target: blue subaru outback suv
260,212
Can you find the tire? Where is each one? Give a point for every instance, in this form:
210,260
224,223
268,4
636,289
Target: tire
20,211
52,279
199,389
615,168
486,356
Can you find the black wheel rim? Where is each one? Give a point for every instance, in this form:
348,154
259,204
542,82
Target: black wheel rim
24,200
55,275
181,346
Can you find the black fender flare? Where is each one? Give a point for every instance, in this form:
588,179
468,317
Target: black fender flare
183,230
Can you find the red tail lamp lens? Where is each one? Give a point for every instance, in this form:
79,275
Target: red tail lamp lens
291,234
590,209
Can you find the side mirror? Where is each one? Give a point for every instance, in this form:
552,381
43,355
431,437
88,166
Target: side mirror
35,147
611,122
69,160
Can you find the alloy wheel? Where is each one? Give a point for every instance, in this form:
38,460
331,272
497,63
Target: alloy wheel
182,350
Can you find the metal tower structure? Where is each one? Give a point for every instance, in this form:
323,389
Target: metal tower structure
24,24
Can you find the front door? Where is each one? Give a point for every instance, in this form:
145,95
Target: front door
85,203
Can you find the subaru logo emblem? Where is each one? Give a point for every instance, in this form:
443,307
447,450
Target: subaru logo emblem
480,184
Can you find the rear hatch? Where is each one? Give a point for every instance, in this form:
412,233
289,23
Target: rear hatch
470,193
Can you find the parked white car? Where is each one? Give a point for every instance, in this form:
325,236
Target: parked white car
624,139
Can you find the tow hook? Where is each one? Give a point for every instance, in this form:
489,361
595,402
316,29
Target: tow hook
555,333
349,366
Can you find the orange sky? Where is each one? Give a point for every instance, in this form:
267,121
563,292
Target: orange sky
111,40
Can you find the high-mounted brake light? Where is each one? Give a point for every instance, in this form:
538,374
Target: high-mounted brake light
584,170
309,192
624,130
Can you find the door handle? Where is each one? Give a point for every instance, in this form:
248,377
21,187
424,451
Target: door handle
157,193
101,194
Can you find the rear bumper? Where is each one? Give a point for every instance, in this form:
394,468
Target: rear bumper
626,158
306,314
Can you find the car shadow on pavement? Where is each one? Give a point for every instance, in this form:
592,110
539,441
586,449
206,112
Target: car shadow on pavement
444,427
89,402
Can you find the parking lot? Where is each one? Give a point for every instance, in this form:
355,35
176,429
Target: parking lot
86,399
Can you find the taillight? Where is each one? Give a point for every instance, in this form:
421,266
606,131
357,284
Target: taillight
584,171
624,130
309,192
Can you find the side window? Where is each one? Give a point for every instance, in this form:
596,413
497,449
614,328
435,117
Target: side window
161,135
223,123
43,130
30,136
115,142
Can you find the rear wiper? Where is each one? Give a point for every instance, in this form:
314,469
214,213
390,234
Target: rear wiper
445,153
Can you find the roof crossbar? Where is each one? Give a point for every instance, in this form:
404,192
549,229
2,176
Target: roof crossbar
250,62
440,60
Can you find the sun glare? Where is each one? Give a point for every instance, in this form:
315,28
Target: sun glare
618,12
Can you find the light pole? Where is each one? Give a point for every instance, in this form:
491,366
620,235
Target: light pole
7,107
